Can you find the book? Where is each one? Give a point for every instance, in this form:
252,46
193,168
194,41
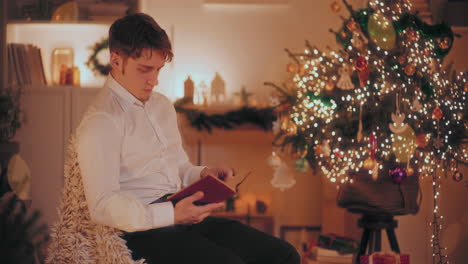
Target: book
214,189
323,255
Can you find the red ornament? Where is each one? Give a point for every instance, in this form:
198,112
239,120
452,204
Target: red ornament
373,143
421,140
363,77
444,43
401,59
437,113
338,154
411,34
410,70
361,63
352,25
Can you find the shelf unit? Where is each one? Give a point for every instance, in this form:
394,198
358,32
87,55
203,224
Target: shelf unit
3,57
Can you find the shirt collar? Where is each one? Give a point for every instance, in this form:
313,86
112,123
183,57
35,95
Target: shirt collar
127,98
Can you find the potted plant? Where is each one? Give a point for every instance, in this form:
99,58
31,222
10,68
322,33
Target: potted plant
9,114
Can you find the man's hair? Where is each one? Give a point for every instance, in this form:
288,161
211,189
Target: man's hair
129,35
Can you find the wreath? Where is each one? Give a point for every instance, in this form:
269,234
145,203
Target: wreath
93,62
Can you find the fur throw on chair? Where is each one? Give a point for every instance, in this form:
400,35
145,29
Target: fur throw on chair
74,238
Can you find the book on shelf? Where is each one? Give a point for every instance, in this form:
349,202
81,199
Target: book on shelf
25,65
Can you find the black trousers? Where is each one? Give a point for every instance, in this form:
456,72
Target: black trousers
214,240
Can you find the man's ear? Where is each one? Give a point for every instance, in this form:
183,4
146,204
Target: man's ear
116,61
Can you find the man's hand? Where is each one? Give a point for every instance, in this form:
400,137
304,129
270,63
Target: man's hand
224,174
185,212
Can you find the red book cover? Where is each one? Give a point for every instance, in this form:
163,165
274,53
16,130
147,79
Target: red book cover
213,188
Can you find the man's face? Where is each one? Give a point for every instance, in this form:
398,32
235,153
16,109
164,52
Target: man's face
140,75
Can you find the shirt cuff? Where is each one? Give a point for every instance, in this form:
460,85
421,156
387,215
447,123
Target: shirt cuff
162,214
192,174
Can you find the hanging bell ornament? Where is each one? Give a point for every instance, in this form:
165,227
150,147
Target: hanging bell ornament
329,86
301,165
457,176
274,160
352,25
410,69
444,43
335,7
437,113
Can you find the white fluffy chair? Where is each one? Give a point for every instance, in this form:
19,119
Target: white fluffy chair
74,238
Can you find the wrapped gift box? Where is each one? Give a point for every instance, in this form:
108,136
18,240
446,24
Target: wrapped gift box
385,258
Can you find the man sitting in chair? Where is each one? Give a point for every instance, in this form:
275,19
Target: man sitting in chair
131,157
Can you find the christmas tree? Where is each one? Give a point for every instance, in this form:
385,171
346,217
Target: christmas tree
382,104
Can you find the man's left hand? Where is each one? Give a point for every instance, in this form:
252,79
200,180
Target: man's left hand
224,174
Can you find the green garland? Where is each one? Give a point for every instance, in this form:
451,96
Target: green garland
93,63
262,117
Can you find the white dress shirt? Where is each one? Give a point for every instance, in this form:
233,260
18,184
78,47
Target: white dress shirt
130,154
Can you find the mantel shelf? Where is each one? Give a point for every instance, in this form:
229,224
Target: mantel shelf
49,22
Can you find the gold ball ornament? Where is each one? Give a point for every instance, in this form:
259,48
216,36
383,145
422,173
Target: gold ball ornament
381,31
466,87
290,67
369,163
410,171
410,69
444,43
329,86
335,7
